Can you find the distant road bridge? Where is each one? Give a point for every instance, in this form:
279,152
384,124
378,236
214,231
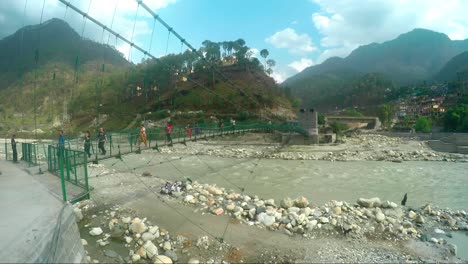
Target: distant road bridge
368,122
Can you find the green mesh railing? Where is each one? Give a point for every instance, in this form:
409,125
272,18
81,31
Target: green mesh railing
69,162
29,153
71,166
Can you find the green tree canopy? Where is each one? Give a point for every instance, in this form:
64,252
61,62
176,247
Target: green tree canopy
264,53
385,114
423,124
456,118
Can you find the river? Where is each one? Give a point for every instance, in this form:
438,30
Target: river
441,183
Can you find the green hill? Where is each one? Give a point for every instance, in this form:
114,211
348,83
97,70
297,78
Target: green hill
102,89
457,64
52,42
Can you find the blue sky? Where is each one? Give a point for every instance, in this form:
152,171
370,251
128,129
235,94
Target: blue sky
297,33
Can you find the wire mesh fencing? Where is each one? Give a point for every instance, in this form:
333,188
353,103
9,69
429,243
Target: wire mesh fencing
71,166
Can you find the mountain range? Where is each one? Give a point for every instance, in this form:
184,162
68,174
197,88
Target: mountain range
411,58
52,41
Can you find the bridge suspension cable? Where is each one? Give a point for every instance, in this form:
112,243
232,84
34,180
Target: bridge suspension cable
146,53
112,22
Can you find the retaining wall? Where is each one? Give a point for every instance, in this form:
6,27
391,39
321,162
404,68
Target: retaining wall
454,143
440,146
36,227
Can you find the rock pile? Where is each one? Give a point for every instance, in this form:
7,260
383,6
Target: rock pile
367,217
369,147
171,188
144,241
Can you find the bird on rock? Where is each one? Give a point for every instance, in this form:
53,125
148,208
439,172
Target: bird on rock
403,202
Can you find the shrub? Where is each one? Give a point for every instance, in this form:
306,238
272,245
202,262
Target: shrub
423,124
338,128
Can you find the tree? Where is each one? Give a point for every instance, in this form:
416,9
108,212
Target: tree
338,128
256,63
423,124
456,118
271,63
321,119
212,51
225,46
385,114
264,53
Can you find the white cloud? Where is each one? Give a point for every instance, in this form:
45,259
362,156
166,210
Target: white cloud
103,11
345,25
254,52
279,77
289,39
342,52
301,64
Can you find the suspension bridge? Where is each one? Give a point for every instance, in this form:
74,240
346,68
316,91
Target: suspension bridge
126,141
70,162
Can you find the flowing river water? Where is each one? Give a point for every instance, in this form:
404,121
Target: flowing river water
442,183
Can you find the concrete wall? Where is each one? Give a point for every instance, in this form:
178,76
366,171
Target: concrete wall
36,226
68,247
440,141
298,139
308,119
454,143
438,145
421,136
462,150
461,139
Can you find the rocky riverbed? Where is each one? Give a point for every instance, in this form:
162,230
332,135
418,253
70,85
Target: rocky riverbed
172,191
360,224
116,235
356,147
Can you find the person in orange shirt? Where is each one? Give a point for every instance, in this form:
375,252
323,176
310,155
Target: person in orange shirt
142,135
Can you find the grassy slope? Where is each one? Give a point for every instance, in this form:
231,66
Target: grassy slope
250,92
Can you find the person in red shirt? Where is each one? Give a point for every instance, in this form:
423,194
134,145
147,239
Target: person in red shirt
189,131
168,133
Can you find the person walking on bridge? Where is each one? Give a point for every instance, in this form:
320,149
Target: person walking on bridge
142,135
102,138
13,147
168,133
61,144
87,143
233,124
189,131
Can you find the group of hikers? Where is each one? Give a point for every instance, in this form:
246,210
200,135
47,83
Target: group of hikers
102,138
144,139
